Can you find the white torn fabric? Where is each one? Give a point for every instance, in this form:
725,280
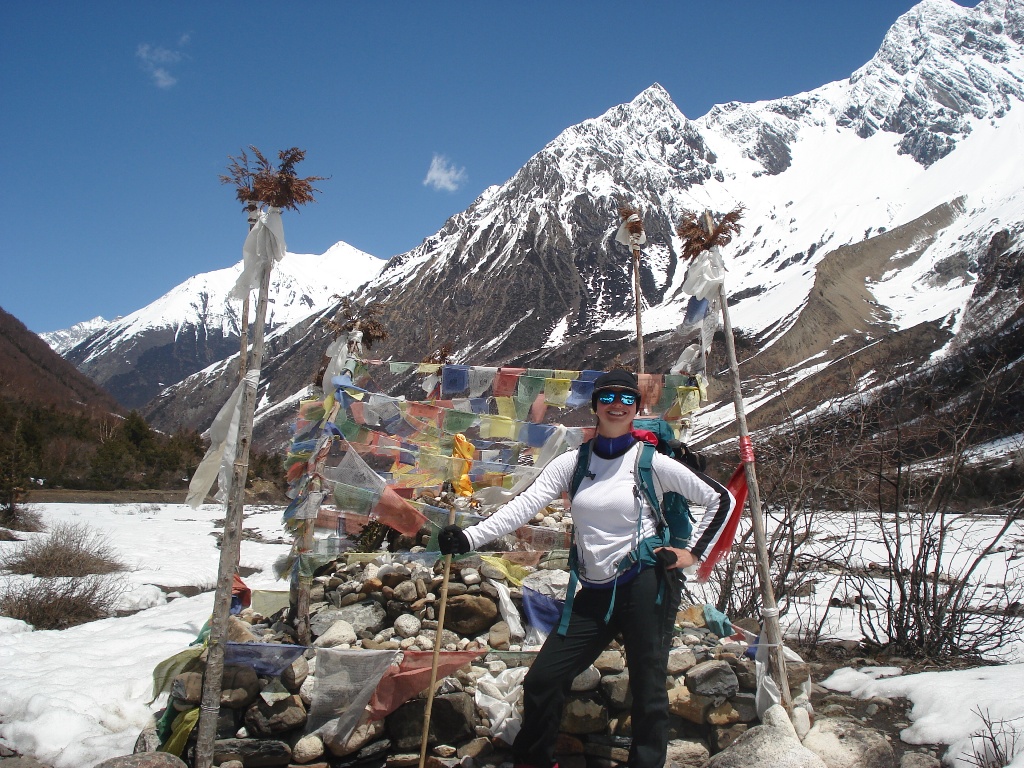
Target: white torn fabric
508,609
218,462
263,246
705,275
626,237
690,360
555,445
338,352
504,711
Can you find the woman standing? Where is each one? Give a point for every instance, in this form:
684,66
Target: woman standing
611,519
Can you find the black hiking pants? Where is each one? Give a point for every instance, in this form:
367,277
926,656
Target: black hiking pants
647,632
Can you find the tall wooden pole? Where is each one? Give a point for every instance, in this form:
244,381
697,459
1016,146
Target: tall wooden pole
769,610
425,737
252,216
636,301
209,709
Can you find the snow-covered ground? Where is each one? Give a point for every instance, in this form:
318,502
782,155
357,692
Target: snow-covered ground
76,697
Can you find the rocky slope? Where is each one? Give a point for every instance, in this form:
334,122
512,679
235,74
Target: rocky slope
873,208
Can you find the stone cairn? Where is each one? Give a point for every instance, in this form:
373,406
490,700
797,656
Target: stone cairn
390,603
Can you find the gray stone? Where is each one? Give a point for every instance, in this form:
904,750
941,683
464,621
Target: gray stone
368,616
406,592
295,674
140,760
680,660
616,690
584,714
364,733
407,625
239,686
307,749
587,680
687,753
771,745
499,636
321,621
610,662
265,719
188,687
453,720
843,744
712,678
470,614
919,760
339,633
253,753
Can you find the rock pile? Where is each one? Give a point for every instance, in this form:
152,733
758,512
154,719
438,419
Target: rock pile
390,603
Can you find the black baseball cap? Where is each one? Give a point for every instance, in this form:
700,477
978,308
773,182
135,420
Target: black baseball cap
617,379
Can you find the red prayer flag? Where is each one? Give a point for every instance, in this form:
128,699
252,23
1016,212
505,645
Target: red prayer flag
737,486
395,512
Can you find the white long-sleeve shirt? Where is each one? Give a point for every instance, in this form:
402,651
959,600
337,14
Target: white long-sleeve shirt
605,509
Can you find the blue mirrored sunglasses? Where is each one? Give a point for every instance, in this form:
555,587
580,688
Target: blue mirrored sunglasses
608,397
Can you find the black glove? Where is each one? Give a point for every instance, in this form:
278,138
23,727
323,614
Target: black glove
452,540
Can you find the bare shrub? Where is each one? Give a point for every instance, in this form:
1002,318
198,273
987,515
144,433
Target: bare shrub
60,603
996,744
867,497
6,535
21,518
71,549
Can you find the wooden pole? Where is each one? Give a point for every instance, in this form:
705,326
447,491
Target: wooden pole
769,610
230,545
636,301
252,216
437,651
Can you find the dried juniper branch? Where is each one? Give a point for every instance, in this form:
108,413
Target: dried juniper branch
258,181
696,238
633,227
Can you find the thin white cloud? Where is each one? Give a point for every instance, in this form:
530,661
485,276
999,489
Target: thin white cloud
157,61
444,175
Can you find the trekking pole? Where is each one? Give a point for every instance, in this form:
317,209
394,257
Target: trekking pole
437,650
769,609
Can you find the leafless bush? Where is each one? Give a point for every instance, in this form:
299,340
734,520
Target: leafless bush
71,549
866,498
21,518
996,744
60,603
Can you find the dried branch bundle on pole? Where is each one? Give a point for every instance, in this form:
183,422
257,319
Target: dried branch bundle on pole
277,188
699,236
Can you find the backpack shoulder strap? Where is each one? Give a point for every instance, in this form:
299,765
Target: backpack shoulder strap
582,468
645,480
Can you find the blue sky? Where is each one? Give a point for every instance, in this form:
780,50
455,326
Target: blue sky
118,116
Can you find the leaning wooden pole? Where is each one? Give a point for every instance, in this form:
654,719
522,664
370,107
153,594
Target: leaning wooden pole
769,610
209,709
639,323
632,235
425,737
252,216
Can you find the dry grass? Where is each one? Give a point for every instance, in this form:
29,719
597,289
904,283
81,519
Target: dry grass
60,603
69,550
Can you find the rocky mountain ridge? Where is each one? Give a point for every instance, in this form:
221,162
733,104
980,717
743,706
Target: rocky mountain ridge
870,208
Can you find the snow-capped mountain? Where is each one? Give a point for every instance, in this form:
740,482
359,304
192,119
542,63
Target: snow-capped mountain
63,340
196,324
882,209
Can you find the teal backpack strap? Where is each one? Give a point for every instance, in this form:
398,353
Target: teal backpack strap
645,479
578,475
582,469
